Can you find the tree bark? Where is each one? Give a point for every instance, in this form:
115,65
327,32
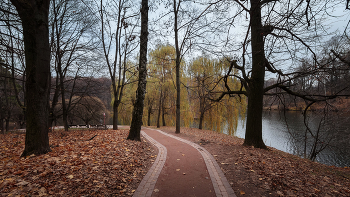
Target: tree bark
7,122
52,117
163,109
201,117
176,8
159,108
253,135
163,114
115,113
34,17
2,123
62,88
137,113
149,116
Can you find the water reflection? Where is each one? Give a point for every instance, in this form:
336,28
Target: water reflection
287,133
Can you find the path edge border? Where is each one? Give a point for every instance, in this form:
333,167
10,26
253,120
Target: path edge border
146,187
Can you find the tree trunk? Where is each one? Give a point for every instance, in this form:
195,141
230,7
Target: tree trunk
34,17
115,113
201,117
163,114
149,116
2,125
64,106
177,69
52,117
137,113
159,108
7,124
61,84
201,110
253,135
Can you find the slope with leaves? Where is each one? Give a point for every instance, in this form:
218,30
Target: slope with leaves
98,163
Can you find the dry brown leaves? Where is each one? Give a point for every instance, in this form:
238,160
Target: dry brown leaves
107,165
257,172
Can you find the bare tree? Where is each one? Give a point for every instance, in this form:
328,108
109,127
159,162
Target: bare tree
12,52
123,38
271,31
88,109
71,44
34,17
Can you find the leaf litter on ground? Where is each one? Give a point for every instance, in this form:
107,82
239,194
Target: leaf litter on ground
81,163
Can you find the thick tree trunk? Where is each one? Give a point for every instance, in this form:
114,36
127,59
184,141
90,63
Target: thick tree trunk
34,16
137,113
115,113
253,135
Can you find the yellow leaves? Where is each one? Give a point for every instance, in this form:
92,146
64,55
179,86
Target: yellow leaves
242,192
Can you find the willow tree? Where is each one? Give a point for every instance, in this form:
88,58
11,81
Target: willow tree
137,112
189,26
205,73
162,62
34,16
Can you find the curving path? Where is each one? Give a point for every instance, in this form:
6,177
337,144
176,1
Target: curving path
182,168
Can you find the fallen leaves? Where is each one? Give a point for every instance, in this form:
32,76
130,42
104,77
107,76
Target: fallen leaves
105,165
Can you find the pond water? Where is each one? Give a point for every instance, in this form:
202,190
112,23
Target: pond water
287,133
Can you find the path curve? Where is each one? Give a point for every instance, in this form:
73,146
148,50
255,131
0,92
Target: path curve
221,186
149,181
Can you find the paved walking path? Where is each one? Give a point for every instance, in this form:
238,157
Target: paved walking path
182,168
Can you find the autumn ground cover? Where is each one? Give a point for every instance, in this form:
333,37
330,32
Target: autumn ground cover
257,172
103,163
82,163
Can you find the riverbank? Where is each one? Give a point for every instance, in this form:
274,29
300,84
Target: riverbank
257,172
338,105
